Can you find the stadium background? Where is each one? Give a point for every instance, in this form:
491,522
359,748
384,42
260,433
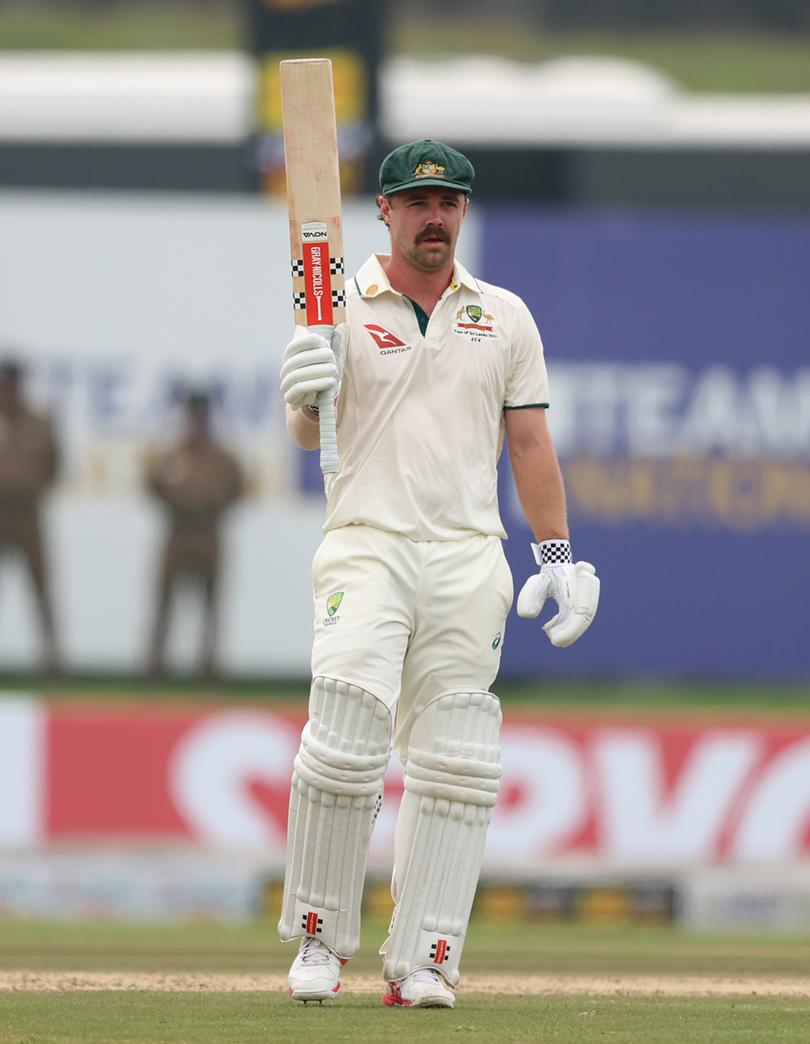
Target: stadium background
644,187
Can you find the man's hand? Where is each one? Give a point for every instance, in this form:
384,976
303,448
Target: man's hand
310,366
575,589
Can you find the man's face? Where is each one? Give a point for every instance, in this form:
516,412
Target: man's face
425,224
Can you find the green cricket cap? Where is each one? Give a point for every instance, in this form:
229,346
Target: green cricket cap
425,163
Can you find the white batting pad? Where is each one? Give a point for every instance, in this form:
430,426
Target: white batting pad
335,795
451,783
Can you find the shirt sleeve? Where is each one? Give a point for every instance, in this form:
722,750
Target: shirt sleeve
527,380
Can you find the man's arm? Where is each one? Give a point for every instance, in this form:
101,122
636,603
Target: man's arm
573,585
536,472
302,424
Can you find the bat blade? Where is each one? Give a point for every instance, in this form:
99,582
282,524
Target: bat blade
313,202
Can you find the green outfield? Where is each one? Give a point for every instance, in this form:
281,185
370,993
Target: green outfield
547,692
526,983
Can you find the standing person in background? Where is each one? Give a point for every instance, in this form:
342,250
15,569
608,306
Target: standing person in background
411,585
29,464
196,480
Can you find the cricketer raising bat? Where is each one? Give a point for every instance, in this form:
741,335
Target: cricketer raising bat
313,201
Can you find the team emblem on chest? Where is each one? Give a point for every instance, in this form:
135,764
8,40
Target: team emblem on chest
474,323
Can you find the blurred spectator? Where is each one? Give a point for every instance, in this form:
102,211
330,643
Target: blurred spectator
29,462
196,480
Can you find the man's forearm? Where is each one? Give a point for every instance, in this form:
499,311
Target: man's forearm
540,488
303,427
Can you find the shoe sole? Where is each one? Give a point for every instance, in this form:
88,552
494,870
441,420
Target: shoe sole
434,1002
320,995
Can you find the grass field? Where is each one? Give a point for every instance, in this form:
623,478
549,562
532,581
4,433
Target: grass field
207,983
699,61
553,695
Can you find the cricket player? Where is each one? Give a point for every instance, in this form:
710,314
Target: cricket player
411,587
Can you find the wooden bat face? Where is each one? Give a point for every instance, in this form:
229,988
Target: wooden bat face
313,192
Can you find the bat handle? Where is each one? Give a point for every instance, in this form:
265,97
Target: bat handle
327,420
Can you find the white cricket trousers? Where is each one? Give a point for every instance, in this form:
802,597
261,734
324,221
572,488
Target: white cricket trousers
409,619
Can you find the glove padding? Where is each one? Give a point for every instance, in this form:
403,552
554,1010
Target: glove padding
575,589
311,365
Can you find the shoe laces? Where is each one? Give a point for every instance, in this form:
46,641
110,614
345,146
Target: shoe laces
313,951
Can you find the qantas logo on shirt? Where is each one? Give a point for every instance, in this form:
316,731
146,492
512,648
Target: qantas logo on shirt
388,343
383,338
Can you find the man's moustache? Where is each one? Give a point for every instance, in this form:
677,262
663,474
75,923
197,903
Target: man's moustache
438,233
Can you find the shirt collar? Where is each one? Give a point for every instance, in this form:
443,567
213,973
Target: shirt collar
463,278
372,281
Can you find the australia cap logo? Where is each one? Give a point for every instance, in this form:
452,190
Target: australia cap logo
429,169
333,602
475,312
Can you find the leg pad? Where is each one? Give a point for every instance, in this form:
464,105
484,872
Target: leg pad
451,784
335,796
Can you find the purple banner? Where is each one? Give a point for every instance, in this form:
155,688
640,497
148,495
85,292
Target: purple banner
680,384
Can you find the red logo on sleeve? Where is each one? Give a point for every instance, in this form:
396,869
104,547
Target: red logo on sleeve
382,337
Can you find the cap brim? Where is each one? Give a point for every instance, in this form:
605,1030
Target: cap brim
419,182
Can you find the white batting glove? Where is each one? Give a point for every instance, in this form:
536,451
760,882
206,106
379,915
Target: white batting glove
573,586
311,365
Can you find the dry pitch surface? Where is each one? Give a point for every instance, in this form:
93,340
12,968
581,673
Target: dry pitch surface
505,985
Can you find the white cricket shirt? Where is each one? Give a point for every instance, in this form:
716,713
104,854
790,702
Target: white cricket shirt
420,417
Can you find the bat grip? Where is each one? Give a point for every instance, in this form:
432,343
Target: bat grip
327,420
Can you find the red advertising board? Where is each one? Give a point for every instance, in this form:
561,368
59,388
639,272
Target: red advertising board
624,792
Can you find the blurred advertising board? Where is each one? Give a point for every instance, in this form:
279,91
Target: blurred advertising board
680,385
349,33
623,792
680,380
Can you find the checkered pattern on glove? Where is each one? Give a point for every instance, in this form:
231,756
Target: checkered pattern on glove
549,552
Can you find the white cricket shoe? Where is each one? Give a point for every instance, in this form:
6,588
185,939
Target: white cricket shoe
315,972
423,988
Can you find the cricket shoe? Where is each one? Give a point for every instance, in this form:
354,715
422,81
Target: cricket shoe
423,988
315,972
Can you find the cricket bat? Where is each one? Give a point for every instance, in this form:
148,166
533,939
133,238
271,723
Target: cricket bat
313,202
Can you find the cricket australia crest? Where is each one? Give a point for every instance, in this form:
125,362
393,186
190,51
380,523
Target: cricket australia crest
474,323
332,606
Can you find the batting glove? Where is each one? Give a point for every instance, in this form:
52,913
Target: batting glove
573,586
311,365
